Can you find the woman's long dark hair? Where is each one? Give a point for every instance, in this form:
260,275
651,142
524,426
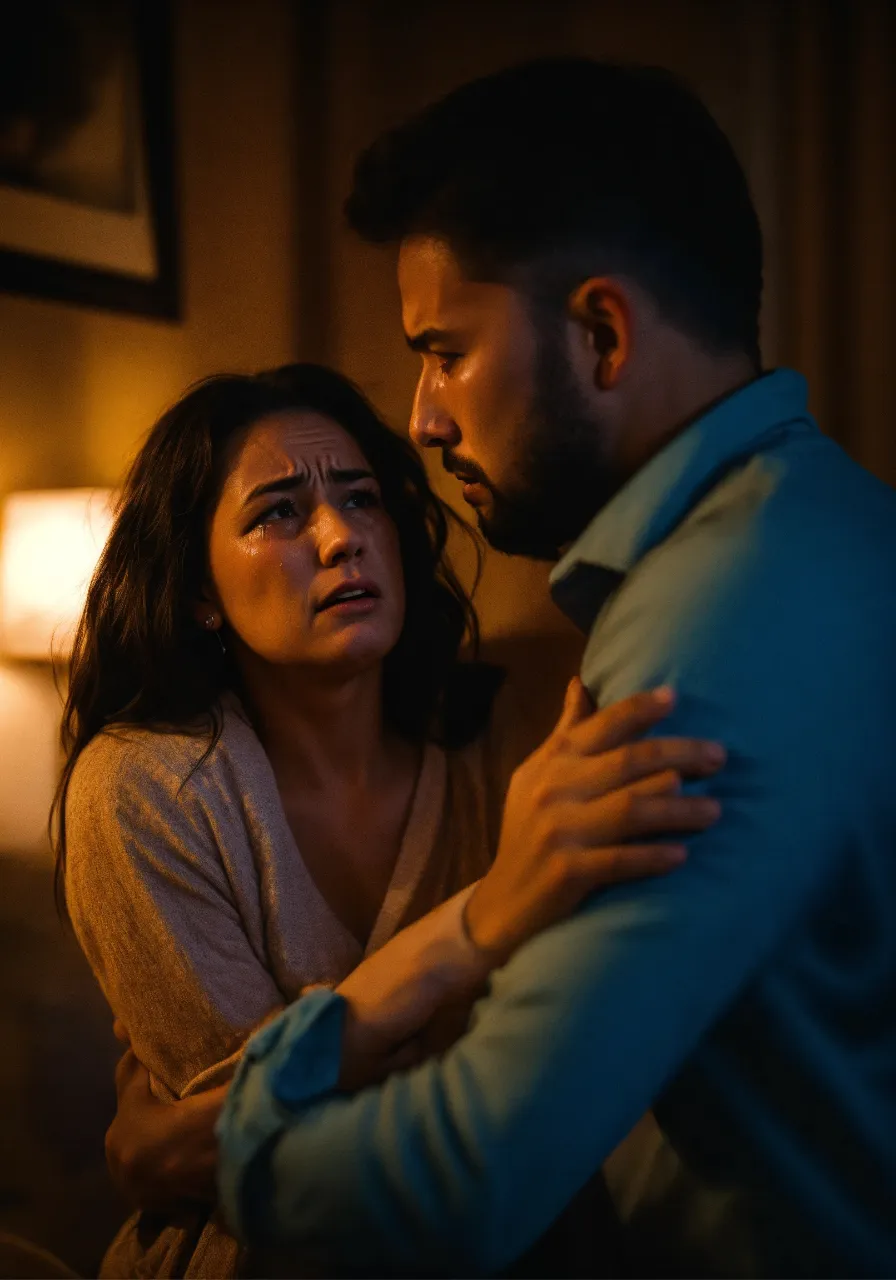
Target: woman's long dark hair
139,657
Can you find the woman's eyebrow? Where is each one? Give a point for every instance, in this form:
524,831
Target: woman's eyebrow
333,475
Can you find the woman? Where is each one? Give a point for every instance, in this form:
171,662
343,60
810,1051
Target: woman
277,761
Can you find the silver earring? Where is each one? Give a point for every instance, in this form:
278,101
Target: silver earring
210,625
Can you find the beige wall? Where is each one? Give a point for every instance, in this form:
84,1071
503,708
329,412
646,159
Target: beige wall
78,387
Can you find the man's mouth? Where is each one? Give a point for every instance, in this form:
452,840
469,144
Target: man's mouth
474,492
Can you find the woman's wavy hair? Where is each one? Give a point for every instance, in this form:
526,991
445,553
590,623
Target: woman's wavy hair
139,657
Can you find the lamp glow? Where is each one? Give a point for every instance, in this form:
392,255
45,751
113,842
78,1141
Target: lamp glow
50,542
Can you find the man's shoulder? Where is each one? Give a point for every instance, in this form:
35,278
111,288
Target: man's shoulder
786,560
774,529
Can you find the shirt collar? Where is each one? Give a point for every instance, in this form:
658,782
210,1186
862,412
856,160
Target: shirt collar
659,496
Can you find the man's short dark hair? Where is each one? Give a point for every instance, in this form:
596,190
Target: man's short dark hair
594,166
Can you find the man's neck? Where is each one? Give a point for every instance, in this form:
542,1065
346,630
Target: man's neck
692,382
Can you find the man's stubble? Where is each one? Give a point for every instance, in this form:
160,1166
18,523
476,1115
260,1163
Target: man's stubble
562,478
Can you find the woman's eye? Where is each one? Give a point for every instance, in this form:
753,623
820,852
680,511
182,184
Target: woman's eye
362,498
285,509
446,360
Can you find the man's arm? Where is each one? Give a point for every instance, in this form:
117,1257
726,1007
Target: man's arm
457,1166
411,999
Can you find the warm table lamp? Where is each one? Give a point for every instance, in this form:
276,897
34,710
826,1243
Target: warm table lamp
50,542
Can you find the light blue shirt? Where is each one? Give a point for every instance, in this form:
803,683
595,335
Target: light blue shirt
749,997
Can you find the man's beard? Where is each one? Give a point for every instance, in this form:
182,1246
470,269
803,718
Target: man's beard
562,480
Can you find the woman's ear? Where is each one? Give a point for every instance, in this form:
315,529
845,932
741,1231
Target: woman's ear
601,307
207,612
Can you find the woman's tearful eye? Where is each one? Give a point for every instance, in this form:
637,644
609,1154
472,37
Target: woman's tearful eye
283,509
362,498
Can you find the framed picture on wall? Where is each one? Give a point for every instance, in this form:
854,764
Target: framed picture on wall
88,209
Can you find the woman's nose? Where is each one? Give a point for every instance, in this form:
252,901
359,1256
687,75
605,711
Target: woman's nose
337,540
430,425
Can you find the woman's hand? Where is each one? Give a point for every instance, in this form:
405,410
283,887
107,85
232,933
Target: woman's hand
161,1154
580,812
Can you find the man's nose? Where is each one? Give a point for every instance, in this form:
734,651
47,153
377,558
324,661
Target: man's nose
430,425
337,539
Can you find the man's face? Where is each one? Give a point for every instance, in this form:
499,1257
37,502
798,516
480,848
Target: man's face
498,395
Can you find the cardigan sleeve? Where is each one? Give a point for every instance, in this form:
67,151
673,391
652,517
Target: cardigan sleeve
152,904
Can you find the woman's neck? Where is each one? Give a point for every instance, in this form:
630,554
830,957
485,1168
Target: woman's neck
324,733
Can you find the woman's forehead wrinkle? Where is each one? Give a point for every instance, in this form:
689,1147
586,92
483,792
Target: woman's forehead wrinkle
309,449
288,464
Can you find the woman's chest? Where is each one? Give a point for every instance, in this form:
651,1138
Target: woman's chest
334,875
349,848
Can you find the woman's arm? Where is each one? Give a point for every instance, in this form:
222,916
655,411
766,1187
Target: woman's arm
157,912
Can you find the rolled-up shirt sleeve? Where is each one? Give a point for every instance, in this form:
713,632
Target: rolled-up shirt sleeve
458,1165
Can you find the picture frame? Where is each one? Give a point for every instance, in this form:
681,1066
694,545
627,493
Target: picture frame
95,223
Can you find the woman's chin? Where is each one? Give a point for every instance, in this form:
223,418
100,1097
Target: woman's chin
358,645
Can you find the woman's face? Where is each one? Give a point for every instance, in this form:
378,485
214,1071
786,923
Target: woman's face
300,519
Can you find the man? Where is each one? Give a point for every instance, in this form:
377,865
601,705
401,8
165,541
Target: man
580,269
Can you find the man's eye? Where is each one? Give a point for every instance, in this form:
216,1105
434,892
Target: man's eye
362,498
446,360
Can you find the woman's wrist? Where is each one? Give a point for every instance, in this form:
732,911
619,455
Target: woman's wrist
473,962
395,993
483,928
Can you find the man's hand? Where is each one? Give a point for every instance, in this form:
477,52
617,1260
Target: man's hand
161,1154
592,807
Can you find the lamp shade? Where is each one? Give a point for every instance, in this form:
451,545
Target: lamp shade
50,542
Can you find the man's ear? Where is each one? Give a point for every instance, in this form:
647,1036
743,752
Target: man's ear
602,308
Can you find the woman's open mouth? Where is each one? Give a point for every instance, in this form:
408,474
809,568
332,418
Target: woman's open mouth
355,605
352,598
